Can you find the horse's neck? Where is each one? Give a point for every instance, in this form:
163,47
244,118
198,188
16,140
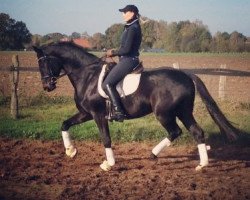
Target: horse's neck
81,77
79,69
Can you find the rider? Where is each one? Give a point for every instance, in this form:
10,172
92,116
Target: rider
128,54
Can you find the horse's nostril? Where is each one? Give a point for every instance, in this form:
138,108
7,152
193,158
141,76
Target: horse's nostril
53,80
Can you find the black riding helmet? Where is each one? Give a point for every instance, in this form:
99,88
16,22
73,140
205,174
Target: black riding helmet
131,8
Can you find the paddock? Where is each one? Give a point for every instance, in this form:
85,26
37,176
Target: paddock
225,75
40,170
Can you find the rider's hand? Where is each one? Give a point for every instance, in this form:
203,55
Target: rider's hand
110,53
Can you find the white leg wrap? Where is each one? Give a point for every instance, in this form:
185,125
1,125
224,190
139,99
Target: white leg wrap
203,154
70,149
110,156
66,139
107,164
158,148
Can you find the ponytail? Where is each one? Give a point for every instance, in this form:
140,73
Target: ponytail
142,21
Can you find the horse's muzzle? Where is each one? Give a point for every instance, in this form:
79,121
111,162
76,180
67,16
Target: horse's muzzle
49,84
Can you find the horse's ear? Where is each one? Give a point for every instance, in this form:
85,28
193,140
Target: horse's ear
38,51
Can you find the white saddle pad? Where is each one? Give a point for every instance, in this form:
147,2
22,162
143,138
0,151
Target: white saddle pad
125,87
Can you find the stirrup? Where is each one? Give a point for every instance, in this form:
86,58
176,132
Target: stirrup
113,114
118,116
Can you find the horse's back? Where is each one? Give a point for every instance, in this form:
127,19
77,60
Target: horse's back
169,77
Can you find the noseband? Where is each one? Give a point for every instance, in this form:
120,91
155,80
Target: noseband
50,75
54,78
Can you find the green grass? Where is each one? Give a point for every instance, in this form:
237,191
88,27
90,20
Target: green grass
42,119
244,55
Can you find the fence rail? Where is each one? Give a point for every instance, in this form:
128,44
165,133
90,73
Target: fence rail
25,69
221,72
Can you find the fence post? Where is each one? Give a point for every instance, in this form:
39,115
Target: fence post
14,78
222,84
176,65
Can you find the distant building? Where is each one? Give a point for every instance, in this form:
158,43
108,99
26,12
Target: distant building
248,40
83,42
79,41
65,39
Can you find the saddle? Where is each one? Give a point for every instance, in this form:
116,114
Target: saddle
125,87
137,70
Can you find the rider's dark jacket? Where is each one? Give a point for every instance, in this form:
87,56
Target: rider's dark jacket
128,54
130,40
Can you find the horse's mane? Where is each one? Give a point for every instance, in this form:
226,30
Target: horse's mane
71,51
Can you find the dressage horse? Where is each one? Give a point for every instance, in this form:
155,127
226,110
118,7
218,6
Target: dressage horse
166,92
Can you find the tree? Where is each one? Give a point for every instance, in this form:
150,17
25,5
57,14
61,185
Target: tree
98,41
36,40
113,36
85,35
172,39
51,37
237,42
75,35
183,36
160,33
205,40
193,36
187,35
247,44
149,34
220,42
13,34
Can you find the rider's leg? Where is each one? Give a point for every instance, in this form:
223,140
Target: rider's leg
119,113
125,66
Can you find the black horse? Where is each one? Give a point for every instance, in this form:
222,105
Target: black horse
166,92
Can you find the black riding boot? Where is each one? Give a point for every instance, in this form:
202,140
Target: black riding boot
114,97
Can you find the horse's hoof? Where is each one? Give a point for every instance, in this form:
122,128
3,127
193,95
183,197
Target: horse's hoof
200,167
71,152
153,157
105,166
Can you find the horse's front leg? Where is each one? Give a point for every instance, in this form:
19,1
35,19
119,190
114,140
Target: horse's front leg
103,127
76,119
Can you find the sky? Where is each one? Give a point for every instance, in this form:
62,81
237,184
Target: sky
92,16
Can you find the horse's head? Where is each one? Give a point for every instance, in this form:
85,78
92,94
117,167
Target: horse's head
49,67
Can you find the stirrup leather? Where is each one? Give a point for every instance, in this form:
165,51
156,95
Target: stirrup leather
112,114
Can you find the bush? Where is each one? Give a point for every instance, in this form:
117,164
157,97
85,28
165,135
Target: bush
4,100
43,99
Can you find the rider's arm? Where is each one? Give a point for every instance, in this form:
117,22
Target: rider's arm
126,48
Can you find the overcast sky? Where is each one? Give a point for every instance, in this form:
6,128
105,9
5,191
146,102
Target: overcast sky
92,16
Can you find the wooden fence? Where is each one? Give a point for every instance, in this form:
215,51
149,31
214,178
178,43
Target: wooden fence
222,72
14,70
222,80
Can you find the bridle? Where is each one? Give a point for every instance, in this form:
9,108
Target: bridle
54,78
51,75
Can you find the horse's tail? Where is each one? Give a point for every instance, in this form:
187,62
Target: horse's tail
225,126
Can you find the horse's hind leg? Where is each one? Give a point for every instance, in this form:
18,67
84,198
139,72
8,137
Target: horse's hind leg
190,123
169,123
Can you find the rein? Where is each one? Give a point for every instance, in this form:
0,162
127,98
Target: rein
54,78
50,75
